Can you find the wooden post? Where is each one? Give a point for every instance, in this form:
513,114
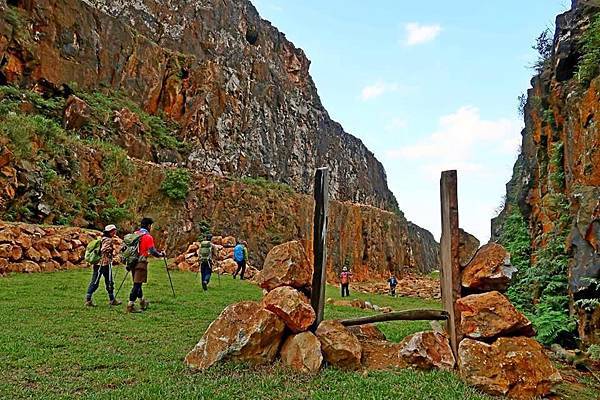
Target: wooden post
317,299
449,250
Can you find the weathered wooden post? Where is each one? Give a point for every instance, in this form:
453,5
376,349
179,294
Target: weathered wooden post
319,243
449,250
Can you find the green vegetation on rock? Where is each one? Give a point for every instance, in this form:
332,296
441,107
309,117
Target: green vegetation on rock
589,64
176,184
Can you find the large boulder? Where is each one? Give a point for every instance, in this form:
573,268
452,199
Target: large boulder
291,306
340,347
302,352
286,265
381,355
467,247
228,266
427,350
228,241
516,367
490,315
490,269
367,332
243,332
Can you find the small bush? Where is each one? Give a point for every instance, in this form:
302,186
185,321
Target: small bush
267,184
176,184
543,46
589,63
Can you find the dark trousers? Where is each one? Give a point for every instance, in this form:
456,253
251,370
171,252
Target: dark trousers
241,267
206,271
393,290
106,272
136,292
345,289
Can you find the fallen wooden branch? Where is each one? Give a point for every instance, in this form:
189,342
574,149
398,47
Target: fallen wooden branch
408,315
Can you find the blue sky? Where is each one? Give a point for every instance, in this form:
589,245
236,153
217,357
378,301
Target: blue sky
427,86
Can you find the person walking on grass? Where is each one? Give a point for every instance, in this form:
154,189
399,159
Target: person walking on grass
240,256
393,283
104,268
345,281
206,254
139,272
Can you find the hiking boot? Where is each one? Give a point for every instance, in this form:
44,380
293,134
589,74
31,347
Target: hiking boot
115,302
89,303
144,304
204,285
131,309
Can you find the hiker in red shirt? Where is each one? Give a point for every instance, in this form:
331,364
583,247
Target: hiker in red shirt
345,281
140,271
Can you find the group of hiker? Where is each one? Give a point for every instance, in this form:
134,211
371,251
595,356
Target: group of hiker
137,248
345,276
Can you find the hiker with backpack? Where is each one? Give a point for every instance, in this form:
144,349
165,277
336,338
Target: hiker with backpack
345,281
99,253
240,256
393,283
206,254
138,247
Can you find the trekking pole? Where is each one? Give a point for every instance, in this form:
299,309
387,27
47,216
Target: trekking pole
168,273
121,285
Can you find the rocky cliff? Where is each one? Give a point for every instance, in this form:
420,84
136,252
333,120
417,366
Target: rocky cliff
556,180
240,91
111,111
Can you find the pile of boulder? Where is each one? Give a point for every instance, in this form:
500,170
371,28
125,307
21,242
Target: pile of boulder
359,303
409,285
224,264
279,326
35,248
497,353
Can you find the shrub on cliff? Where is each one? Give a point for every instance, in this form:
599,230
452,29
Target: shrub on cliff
176,184
589,64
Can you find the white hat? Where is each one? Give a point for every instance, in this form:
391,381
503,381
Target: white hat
109,228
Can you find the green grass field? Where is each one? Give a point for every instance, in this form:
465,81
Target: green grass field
52,347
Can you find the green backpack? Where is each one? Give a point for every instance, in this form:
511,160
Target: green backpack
205,251
130,252
93,253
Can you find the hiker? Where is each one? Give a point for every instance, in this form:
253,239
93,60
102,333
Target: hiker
393,283
206,254
139,271
240,256
104,268
345,281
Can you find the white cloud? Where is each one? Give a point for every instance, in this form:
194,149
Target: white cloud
419,34
463,140
377,89
396,124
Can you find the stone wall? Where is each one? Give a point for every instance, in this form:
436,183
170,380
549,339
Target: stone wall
35,248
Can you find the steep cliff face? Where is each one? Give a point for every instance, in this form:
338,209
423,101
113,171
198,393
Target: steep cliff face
240,91
147,112
556,179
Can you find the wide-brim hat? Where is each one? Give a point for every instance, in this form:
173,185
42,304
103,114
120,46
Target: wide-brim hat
110,228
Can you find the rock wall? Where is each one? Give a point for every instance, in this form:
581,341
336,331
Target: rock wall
35,248
556,179
239,89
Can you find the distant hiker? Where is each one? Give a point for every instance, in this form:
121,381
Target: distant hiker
393,283
139,264
100,254
206,254
345,281
240,256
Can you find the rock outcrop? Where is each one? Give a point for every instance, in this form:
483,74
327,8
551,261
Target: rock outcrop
516,367
236,100
556,179
302,352
244,332
490,315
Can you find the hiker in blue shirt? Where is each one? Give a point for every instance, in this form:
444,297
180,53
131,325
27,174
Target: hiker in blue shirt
240,256
393,283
